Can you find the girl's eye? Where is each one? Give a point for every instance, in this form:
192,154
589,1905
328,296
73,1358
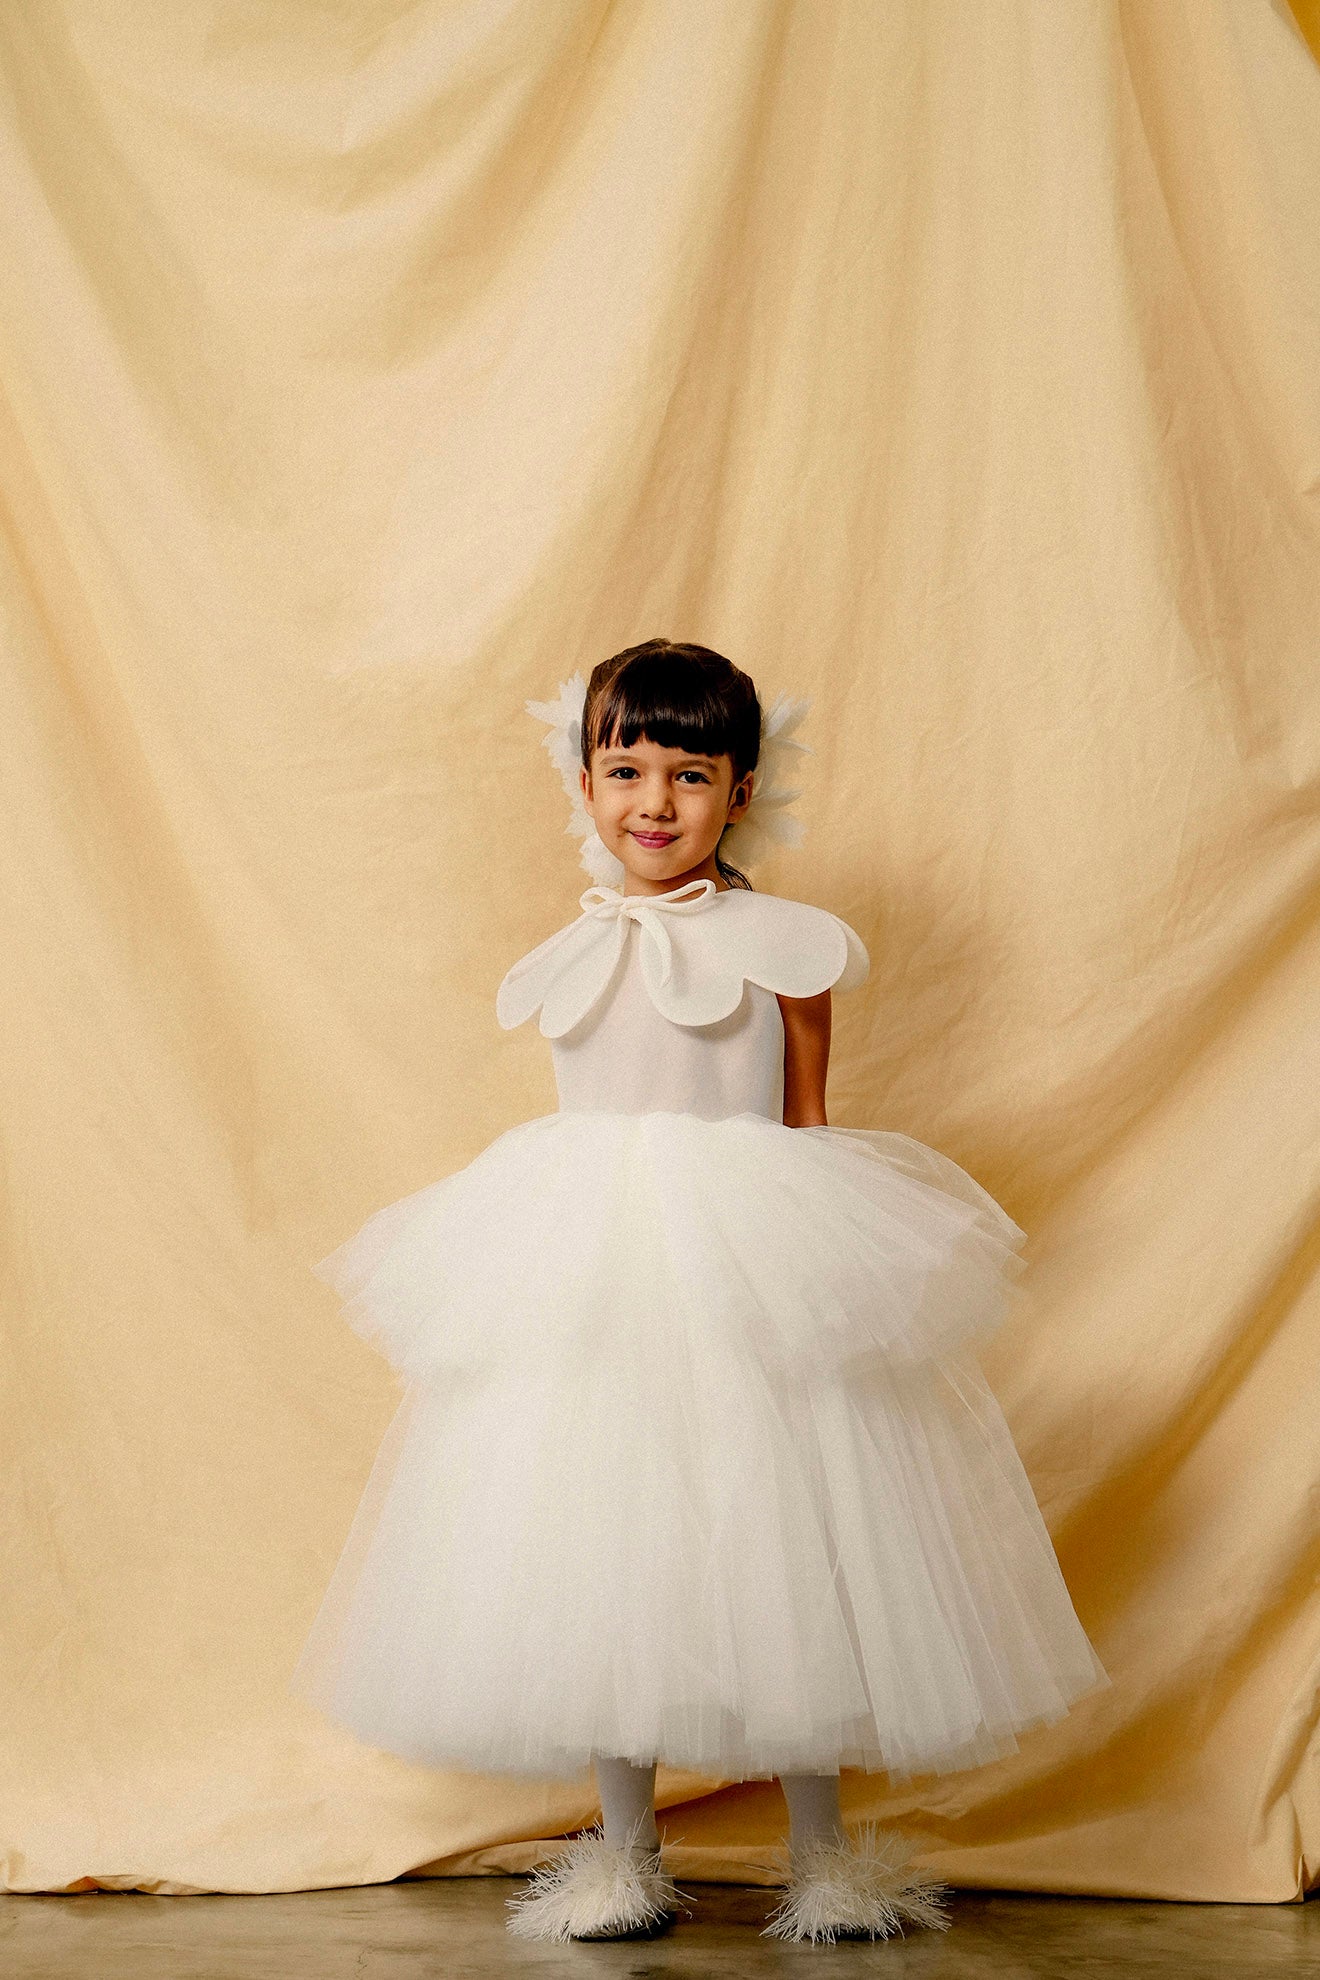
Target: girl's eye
626,770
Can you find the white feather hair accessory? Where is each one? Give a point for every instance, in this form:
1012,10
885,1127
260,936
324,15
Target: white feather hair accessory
765,823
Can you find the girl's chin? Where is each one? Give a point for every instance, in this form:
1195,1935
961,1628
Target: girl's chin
655,862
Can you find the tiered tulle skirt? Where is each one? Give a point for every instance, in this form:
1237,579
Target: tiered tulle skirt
693,1463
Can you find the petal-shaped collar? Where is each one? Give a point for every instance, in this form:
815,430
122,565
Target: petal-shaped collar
694,958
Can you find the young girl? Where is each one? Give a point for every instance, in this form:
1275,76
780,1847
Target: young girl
693,1463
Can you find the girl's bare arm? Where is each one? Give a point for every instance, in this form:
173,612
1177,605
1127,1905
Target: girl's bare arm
806,1058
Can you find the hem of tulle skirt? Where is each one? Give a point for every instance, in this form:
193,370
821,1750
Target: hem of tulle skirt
546,1760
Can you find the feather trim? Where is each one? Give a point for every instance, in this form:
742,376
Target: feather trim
596,1890
842,1890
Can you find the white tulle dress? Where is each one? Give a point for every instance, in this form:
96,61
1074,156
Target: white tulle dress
694,1461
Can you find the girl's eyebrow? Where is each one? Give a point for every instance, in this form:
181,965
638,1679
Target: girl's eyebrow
611,755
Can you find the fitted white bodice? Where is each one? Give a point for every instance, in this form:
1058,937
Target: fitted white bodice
668,1003
624,1057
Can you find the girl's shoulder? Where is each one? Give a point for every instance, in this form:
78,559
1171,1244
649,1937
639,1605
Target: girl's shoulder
696,956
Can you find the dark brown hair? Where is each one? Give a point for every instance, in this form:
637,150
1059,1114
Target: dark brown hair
682,697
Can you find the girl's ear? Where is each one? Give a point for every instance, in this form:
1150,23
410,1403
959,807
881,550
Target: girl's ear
584,780
740,798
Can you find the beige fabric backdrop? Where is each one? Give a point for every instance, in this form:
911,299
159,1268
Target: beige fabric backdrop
368,368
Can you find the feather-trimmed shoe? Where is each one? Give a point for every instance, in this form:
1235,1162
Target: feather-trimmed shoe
842,1890
596,1890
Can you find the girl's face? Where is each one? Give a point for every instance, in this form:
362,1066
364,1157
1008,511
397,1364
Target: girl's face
661,811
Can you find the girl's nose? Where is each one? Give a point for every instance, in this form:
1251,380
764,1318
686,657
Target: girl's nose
659,803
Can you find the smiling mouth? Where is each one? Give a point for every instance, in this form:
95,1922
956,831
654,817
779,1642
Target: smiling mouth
655,838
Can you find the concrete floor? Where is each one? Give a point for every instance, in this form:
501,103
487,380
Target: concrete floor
452,1928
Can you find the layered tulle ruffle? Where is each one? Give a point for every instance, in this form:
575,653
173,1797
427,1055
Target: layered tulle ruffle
805,1247
690,1464
687,1560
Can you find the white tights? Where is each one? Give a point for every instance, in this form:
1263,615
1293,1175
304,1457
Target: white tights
627,1801
813,1808
627,1797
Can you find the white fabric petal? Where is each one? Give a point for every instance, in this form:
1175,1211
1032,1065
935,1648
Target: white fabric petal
563,978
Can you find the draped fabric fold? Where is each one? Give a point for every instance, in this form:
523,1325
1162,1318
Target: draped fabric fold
366,371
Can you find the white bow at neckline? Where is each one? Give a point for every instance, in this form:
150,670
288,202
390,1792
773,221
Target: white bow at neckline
648,911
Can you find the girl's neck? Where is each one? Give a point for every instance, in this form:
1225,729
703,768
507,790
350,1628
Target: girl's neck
640,883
